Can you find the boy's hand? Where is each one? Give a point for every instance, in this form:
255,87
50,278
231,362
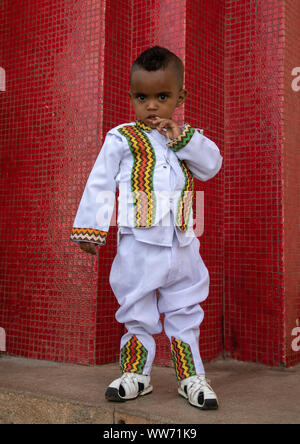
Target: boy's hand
167,127
88,247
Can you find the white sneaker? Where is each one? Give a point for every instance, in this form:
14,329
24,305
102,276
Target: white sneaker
198,392
129,386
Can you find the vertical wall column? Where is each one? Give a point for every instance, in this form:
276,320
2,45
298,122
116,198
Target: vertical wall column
115,104
253,213
291,181
204,63
52,54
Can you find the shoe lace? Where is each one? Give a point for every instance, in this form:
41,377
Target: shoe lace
129,378
198,383
129,382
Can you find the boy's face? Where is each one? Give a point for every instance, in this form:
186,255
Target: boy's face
155,93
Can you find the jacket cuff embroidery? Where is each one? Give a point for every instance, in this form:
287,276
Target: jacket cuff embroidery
88,235
182,140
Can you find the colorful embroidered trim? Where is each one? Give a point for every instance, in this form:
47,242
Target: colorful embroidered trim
141,175
182,140
141,125
133,356
185,202
89,235
183,359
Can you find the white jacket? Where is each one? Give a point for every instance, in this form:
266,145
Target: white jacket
155,178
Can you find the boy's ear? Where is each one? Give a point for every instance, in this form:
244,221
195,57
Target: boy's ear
181,97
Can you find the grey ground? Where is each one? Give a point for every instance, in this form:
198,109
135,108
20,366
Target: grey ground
33,391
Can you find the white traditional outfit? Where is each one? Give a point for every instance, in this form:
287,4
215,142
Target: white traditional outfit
157,247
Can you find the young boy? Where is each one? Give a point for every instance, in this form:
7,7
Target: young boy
153,162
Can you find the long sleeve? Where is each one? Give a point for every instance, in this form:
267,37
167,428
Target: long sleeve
94,213
201,155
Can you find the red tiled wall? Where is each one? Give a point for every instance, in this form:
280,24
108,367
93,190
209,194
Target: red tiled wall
291,181
67,66
204,61
50,135
253,256
114,104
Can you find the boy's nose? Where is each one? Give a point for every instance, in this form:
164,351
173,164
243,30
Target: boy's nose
151,105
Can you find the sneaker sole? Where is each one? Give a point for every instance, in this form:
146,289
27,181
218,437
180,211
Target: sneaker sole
112,394
209,404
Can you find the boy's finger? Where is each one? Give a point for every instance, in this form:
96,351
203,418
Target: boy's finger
164,122
164,125
88,248
159,121
92,249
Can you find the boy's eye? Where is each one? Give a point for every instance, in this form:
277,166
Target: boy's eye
142,97
163,96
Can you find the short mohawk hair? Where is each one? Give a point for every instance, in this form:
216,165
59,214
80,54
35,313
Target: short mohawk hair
157,57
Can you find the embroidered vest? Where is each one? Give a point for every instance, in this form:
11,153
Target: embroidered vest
144,199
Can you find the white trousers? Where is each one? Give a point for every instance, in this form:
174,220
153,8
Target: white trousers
182,280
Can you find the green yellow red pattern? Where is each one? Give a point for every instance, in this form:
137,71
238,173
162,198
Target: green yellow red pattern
133,356
185,202
89,235
142,125
182,140
183,359
141,175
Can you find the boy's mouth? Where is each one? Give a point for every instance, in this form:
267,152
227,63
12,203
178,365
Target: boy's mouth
151,118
